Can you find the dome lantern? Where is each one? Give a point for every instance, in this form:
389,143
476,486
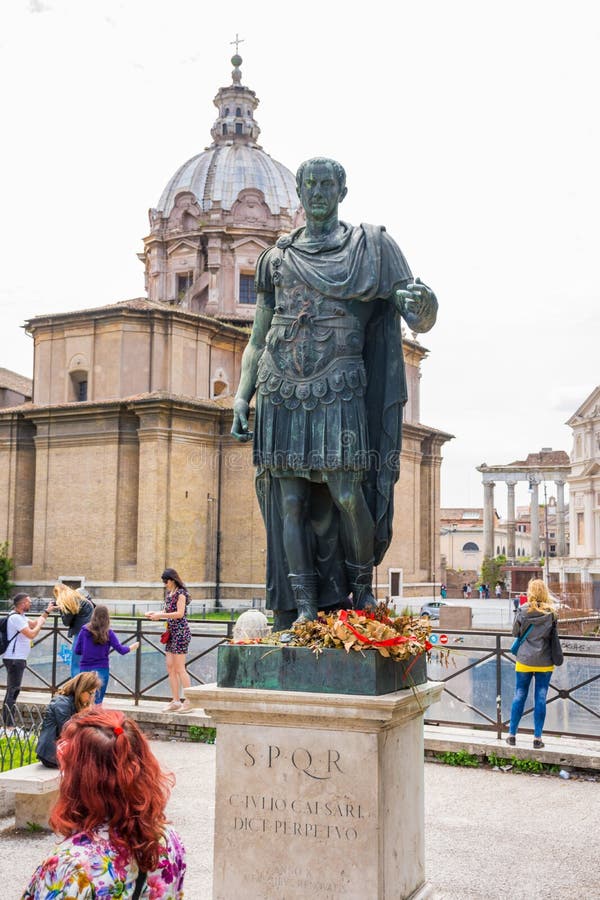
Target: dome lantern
218,212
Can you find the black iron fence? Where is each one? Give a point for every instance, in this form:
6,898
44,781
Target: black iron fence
479,678
478,675
134,675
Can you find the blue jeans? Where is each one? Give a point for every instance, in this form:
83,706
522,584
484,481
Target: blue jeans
103,676
14,677
542,683
75,662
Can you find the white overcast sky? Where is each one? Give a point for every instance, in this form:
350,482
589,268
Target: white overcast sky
469,128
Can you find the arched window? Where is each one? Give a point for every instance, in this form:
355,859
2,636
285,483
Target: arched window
238,128
79,386
226,111
470,546
238,111
504,551
224,129
497,549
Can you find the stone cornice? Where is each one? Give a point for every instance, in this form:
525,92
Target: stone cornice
523,473
141,309
157,400
420,432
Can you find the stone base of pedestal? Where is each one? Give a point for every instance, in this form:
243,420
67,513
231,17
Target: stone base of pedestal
318,795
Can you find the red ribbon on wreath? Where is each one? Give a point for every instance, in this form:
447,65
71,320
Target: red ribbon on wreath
389,642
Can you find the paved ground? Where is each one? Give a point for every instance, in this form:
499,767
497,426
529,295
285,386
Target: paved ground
488,834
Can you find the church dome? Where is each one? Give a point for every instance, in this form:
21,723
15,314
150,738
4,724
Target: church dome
234,161
221,172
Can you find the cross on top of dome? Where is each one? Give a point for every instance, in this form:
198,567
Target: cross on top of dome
236,105
236,60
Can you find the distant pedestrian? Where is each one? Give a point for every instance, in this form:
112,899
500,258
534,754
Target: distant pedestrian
20,632
515,603
75,610
465,591
537,655
95,641
469,591
443,591
481,591
498,591
522,599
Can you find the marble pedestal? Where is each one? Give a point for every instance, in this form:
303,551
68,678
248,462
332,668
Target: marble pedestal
318,795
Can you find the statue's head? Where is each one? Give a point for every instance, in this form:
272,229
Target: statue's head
321,186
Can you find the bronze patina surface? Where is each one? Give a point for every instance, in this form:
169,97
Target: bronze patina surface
326,364
331,671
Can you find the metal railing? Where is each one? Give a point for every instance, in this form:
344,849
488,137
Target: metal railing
478,678
18,740
136,675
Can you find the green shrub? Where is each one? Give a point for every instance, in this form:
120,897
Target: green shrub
459,758
6,570
202,734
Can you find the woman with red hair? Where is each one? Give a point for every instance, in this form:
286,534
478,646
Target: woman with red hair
111,812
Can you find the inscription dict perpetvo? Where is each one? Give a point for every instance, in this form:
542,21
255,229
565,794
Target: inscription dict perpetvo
283,816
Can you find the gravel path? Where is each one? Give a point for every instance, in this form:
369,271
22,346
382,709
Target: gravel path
492,835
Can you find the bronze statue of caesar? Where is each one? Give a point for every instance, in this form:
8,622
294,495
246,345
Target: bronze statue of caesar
325,360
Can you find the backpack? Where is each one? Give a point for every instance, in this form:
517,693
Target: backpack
4,641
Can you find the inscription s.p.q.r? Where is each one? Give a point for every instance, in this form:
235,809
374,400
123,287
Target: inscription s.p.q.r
320,765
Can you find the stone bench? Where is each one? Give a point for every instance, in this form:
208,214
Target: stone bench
35,788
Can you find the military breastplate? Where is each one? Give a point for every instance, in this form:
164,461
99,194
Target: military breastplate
313,351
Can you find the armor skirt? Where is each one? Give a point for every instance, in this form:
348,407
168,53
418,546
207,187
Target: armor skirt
330,436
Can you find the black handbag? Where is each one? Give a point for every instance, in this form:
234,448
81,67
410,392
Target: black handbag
140,881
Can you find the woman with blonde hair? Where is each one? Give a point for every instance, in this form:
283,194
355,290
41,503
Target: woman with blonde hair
74,695
538,653
75,611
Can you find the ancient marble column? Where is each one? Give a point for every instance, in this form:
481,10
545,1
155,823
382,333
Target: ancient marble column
510,519
561,549
488,519
535,518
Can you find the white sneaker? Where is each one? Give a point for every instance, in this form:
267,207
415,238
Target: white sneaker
172,706
186,707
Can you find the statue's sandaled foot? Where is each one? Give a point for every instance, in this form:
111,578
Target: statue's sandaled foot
360,578
365,603
304,588
306,614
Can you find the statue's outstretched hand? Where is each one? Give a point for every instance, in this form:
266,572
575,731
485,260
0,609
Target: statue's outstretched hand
239,429
417,304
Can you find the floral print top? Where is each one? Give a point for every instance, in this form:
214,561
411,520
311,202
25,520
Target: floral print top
90,869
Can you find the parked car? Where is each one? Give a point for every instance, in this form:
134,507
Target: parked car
432,609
